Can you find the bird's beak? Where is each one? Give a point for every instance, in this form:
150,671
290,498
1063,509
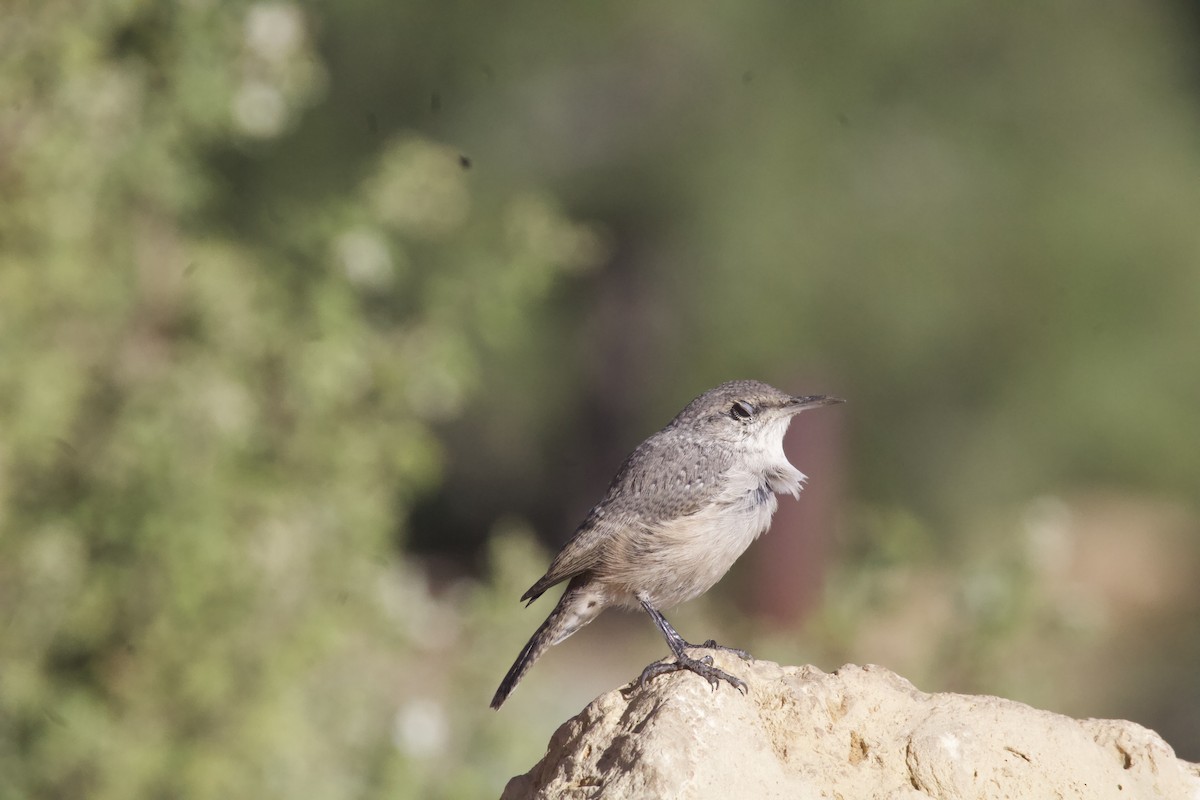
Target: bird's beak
798,404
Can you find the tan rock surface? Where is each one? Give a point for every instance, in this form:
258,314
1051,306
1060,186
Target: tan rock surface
857,733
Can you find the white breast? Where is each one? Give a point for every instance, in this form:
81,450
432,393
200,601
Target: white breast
679,560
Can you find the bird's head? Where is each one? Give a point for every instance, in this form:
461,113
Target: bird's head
745,411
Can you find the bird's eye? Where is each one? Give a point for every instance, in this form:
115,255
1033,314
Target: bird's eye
741,410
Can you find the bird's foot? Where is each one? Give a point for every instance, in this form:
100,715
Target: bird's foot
701,666
712,645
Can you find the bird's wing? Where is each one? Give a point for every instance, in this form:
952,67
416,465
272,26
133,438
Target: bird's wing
665,478
579,554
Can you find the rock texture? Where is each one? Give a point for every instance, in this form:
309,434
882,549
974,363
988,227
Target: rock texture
860,732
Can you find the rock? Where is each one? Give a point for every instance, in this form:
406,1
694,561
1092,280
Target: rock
857,733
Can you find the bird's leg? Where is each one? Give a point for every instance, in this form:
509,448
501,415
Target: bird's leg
702,666
677,643
674,640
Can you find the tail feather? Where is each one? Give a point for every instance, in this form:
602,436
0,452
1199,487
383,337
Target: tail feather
537,644
577,607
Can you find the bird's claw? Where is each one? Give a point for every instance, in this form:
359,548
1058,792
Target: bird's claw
711,644
701,666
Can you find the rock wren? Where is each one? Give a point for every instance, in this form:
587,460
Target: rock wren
681,509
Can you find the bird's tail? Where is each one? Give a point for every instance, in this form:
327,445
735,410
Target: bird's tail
578,606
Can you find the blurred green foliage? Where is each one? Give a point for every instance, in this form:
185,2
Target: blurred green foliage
208,444
255,259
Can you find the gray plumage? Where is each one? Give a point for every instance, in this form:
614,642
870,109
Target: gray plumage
680,510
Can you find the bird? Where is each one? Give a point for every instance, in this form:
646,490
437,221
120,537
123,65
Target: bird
684,505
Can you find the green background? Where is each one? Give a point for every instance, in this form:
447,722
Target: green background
321,325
